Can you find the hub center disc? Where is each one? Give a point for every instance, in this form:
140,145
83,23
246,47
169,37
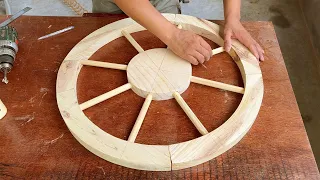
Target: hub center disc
159,72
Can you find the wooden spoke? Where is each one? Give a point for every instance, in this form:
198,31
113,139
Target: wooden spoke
139,121
217,50
132,41
105,96
103,64
196,122
216,84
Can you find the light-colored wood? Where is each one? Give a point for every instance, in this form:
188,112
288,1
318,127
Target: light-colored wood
3,110
103,64
196,122
106,146
217,50
105,96
158,157
193,152
159,72
139,121
132,41
216,84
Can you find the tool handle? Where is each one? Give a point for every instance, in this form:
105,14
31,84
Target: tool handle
3,110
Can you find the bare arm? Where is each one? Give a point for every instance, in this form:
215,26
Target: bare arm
232,9
145,14
185,44
234,29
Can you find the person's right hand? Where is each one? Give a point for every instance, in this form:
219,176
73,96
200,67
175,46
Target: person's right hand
189,46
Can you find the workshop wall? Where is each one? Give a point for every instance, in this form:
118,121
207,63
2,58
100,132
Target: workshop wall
312,15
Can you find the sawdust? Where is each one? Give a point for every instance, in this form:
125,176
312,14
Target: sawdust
26,118
54,140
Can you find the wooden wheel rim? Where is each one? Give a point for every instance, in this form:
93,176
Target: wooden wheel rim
157,157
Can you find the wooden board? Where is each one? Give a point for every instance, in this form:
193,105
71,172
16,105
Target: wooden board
146,76
159,72
38,144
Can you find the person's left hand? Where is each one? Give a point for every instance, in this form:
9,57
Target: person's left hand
234,30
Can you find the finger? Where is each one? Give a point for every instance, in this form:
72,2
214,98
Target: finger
260,52
247,40
254,51
205,45
260,48
204,52
227,40
199,57
192,60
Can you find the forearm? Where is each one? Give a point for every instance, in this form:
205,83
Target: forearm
232,9
145,14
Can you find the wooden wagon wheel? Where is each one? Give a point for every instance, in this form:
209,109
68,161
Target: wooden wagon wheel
157,74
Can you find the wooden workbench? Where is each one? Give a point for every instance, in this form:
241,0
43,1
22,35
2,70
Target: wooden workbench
35,142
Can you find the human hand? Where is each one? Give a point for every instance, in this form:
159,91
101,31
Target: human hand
234,30
189,46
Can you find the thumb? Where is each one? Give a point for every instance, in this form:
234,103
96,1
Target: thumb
227,40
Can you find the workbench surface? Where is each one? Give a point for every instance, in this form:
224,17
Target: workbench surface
35,142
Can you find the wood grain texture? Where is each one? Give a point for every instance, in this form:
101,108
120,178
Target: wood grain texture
164,75
38,144
3,110
227,135
159,72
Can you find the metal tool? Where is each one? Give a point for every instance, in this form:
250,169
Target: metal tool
14,17
8,50
9,44
56,33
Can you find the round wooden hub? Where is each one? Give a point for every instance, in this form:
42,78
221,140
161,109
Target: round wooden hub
159,72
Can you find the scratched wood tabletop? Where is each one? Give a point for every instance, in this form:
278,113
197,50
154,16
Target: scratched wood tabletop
36,144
